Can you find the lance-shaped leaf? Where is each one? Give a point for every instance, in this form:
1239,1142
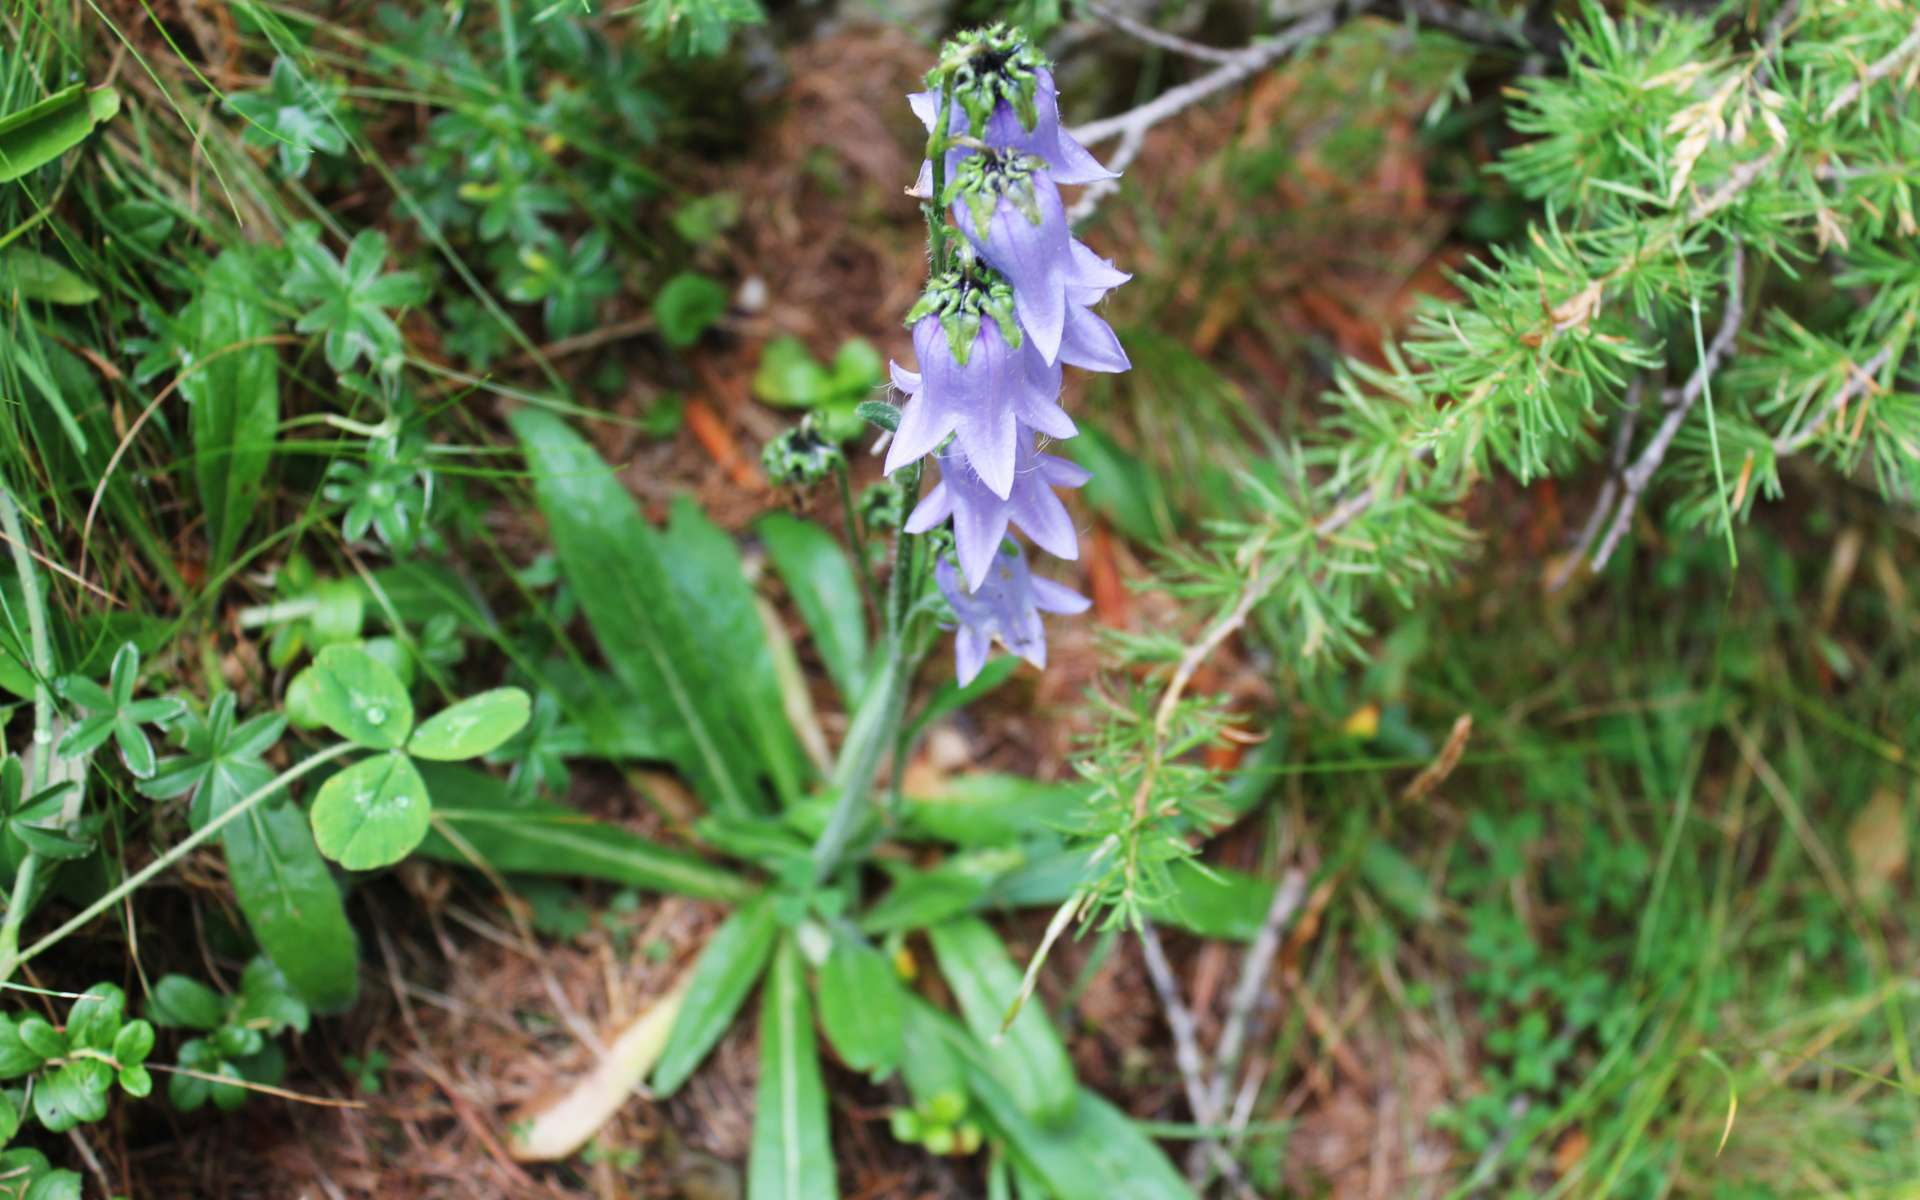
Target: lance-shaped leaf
792,1156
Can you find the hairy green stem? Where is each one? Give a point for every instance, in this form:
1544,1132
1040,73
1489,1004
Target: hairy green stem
937,155
187,845
857,538
876,724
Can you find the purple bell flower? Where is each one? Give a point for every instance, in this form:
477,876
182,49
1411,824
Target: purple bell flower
1013,216
1067,160
979,402
980,518
1007,607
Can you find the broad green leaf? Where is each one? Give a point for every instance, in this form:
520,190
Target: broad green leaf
1028,1058
612,557
733,959
991,809
372,814
789,376
95,1019
1095,1153
791,1157
920,898
27,276
181,1002
36,135
292,903
860,1006
551,839
723,614
67,1097
686,306
472,727
820,578
232,387
355,695
935,1075
16,1057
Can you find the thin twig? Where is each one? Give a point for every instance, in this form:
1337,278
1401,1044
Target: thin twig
1131,126
1140,31
1186,1054
1609,491
1679,405
1253,980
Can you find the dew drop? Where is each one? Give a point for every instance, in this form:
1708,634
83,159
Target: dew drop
376,715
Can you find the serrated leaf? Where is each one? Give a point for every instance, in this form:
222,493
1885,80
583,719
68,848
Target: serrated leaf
472,727
732,960
233,391
791,1157
372,814
355,695
613,560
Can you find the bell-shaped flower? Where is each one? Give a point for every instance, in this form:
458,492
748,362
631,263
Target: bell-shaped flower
979,401
980,518
1010,210
1067,160
1005,607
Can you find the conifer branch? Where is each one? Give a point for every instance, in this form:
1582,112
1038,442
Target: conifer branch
1679,404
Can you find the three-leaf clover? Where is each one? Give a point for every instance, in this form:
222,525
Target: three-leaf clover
373,813
114,713
221,762
348,301
292,115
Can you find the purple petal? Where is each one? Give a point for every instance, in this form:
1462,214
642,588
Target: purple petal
922,104
935,508
1052,597
1091,277
1038,511
1062,473
924,424
977,534
1090,342
986,427
907,381
969,654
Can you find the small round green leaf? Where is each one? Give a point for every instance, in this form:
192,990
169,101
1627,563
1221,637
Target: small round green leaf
355,695
371,814
133,1043
472,727
179,1002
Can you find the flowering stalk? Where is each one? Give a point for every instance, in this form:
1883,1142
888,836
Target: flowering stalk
1009,301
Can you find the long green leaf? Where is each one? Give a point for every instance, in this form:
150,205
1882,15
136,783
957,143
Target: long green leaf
720,608
551,839
733,959
792,1156
293,905
40,133
820,579
233,391
1096,1153
612,558
860,1003
1028,1058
